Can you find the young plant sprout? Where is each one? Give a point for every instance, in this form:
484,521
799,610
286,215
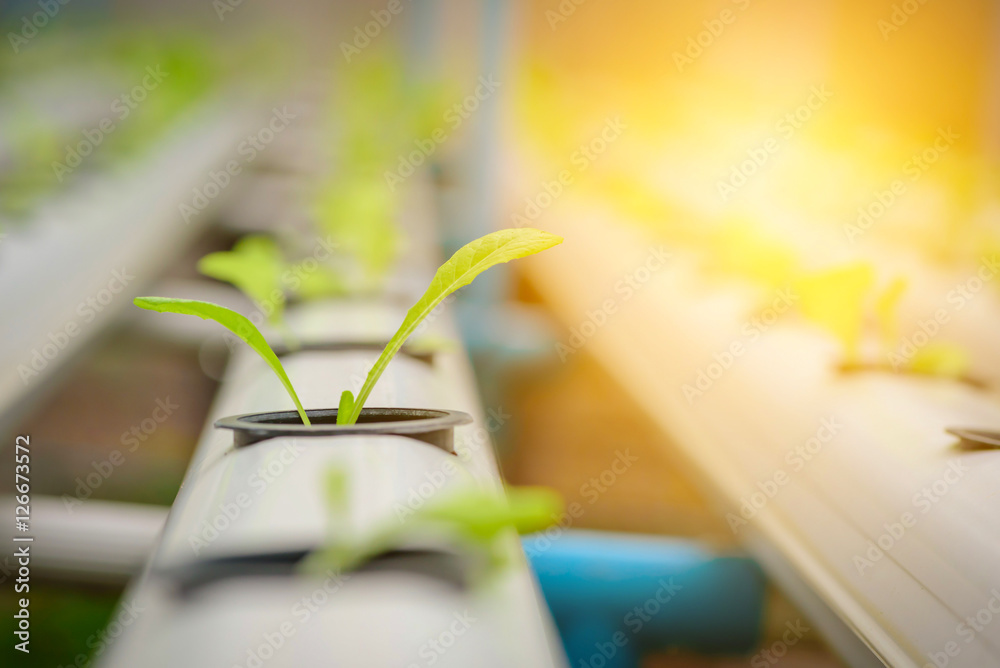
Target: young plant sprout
255,266
467,263
463,267
471,519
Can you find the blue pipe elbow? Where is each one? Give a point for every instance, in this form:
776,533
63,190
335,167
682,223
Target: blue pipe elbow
615,597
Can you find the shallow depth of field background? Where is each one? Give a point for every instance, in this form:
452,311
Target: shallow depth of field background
846,150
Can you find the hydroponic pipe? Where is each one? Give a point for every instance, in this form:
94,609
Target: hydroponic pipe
224,579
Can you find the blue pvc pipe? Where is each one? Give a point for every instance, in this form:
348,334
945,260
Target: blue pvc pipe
615,597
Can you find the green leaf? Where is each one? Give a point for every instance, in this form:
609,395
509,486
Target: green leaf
472,519
346,407
317,282
254,266
361,215
482,515
235,323
337,483
467,263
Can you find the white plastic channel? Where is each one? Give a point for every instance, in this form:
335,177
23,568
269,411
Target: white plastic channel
375,619
103,542
105,238
907,602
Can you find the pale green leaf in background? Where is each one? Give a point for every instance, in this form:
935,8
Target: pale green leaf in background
254,266
470,519
482,515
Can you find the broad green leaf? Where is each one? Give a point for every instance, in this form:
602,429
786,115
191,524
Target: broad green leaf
235,323
467,263
346,407
254,265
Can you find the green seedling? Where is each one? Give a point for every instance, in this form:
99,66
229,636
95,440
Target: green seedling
255,266
389,110
258,268
373,244
471,519
235,323
463,267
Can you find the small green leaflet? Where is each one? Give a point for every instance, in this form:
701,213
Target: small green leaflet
470,518
254,265
375,242
482,515
467,263
235,323
346,404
